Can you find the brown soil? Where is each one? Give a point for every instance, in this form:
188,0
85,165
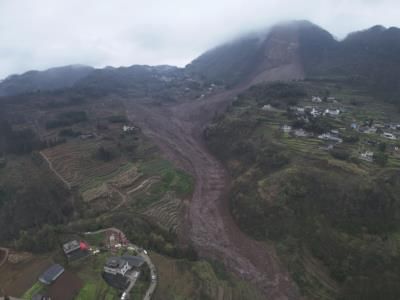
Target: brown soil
15,279
3,256
66,287
177,130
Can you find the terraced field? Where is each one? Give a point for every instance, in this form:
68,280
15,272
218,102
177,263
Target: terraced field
76,163
166,212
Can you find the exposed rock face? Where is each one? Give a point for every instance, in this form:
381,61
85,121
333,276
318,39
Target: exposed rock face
276,54
280,58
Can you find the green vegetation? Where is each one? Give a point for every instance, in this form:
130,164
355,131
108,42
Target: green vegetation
68,132
90,272
171,180
182,279
67,119
35,289
31,197
118,119
329,213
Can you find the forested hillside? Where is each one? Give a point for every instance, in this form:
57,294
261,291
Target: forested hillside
333,218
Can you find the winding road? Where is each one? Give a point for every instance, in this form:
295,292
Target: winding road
177,130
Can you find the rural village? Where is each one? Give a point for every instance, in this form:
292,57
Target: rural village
120,263
374,133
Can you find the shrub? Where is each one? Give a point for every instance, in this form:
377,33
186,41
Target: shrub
118,119
67,119
340,154
69,132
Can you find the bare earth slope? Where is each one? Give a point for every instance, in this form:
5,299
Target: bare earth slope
178,132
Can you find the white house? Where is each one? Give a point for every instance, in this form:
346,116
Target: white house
316,99
267,107
370,130
330,137
300,110
389,135
126,128
314,112
116,265
367,156
300,133
286,128
332,112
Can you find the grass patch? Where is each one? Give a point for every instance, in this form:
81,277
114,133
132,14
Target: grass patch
95,239
171,180
35,289
90,272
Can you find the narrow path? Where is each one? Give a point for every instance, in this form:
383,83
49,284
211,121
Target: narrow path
122,195
177,130
50,164
147,182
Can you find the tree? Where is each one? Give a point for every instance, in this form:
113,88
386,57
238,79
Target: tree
103,154
382,147
381,158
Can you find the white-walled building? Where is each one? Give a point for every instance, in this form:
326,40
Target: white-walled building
116,265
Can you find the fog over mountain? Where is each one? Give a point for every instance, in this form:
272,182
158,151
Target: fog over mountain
42,34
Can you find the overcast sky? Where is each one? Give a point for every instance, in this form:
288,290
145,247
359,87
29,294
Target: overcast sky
38,34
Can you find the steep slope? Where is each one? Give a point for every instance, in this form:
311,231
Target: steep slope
332,216
300,49
369,57
230,62
51,79
279,53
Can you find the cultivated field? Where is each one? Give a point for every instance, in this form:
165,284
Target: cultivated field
75,161
166,212
18,277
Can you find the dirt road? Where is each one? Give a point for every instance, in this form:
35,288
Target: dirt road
177,130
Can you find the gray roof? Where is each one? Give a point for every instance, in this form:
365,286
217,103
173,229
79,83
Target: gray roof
71,246
115,262
51,274
134,261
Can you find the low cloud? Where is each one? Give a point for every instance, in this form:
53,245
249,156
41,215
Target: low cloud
45,33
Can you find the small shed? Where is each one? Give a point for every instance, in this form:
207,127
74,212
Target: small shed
51,274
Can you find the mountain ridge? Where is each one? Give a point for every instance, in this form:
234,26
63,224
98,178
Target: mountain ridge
286,51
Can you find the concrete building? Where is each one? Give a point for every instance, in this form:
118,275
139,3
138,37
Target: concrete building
117,265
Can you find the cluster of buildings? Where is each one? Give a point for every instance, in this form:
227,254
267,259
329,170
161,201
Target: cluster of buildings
388,131
331,136
314,111
307,114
